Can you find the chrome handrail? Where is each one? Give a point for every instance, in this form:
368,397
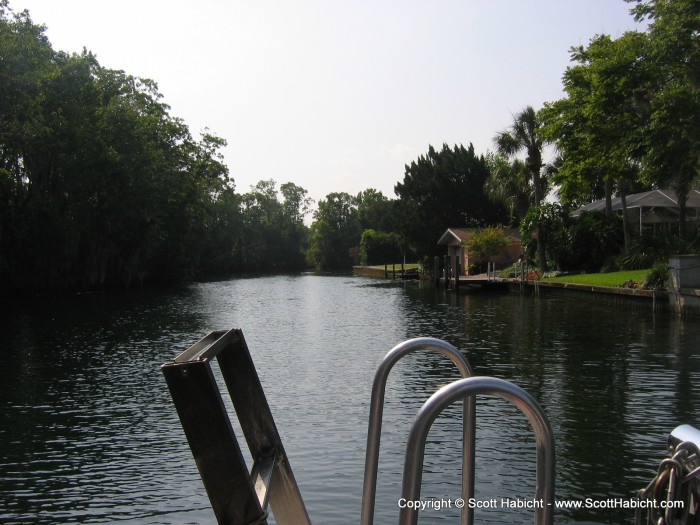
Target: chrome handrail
375,423
544,439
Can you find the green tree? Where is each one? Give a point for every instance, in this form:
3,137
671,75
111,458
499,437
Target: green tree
261,212
334,232
444,189
597,126
293,232
525,134
380,247
296,205
213,208
375,211
671,139
509,184
27,61
99,184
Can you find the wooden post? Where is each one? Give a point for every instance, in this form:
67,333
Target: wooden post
457,272
386,271
393,271
447,272
436,271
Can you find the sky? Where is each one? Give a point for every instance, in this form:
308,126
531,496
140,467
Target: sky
337,95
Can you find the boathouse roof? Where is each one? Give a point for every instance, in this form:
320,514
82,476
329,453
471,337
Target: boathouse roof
454,236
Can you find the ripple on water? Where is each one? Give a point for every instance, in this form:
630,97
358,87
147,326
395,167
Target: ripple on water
89,433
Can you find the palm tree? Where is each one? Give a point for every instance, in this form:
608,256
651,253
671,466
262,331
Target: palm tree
525,135
509,184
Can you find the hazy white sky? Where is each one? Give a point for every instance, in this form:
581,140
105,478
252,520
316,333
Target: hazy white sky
337,95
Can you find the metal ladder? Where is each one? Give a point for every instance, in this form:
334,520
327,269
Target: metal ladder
237,496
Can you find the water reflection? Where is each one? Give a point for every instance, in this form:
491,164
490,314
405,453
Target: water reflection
89,433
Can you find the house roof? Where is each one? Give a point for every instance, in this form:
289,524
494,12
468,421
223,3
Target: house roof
454,236
662,199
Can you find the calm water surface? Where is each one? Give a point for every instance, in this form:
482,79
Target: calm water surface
88,432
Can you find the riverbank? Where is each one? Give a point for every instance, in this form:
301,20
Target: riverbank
682,297
685,302
656,300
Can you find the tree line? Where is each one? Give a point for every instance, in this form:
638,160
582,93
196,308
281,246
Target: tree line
101,186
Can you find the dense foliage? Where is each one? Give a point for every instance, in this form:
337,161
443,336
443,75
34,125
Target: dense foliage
335,232
444,189
594,239
377,247
101,186
630,119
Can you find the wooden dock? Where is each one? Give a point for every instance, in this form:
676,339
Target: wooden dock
482,281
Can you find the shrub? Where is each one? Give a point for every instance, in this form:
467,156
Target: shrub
513,271
595,238
487,242
653,248
657,277
380,247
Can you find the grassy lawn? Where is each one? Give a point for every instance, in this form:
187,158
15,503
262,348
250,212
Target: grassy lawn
602,279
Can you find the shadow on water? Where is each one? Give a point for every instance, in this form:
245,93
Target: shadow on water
87,431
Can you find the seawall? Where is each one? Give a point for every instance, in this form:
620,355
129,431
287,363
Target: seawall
684,302
656,300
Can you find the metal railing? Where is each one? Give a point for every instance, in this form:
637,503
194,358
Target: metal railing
375,423
465,389
470,387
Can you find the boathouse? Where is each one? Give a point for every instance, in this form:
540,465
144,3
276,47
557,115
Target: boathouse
454,239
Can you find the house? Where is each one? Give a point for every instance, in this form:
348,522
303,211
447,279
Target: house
455,241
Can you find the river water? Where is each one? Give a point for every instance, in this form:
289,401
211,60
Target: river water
88,432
